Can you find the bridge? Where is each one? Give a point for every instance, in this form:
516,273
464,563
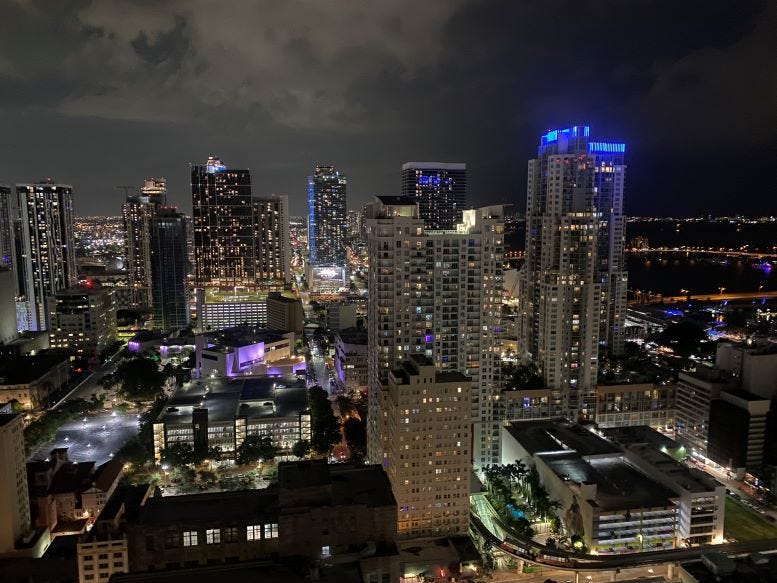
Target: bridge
721,252
719,297
485,523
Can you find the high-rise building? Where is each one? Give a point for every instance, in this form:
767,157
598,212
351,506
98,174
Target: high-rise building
6,226
436,294
169,291
428,415
82,320
327,216
273,250
223,225
439,188
138,212
45,258
573,284
14,496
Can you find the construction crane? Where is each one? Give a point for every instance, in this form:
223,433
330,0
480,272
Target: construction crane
127,190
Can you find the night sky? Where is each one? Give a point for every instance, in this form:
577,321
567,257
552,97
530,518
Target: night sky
101,94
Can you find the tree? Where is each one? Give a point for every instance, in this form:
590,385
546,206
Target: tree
684,338
355,431
301,448
140,378
522,376
255,448
178,454
324,425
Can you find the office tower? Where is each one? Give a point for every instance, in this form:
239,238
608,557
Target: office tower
327,225
6,226
169,292
46,260
573,284
223,225
437,294
82,319
14,497
273,250
439,188
138,213
428,462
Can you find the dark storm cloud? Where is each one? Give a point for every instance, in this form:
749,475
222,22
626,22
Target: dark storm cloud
103,93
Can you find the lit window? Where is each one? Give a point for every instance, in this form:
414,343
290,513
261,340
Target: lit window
271,530
190,538
254,532
213,536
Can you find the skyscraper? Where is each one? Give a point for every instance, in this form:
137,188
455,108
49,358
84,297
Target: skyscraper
439,188
436,294
46,260
138,213
82,320
573,284
169,291
273,250
327,218
223,225
6,226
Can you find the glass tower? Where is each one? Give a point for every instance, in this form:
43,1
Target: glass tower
327,218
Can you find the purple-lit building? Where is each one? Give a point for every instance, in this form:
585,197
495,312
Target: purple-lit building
246,351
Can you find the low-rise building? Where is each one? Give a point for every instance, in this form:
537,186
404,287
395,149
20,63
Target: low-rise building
318,514
695,392
351,358
225,308
341,315
30,380
635,404
701,499
220,412
605,499
82,320
737,431
285,313
526,404
103,552
246,351
62,491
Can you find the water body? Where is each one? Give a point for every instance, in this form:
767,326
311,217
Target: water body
668,273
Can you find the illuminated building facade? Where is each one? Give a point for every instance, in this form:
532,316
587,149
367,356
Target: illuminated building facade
273,250
436,294
573,284
169,292
82,320
6,226
327,217
138,213
439,188
46,260
428,460
223,225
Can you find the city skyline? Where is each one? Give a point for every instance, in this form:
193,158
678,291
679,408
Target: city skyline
366,102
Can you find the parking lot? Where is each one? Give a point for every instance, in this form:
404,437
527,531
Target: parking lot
93,438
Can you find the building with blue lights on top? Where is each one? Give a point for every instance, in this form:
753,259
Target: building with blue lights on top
327,217
439,188
573,284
